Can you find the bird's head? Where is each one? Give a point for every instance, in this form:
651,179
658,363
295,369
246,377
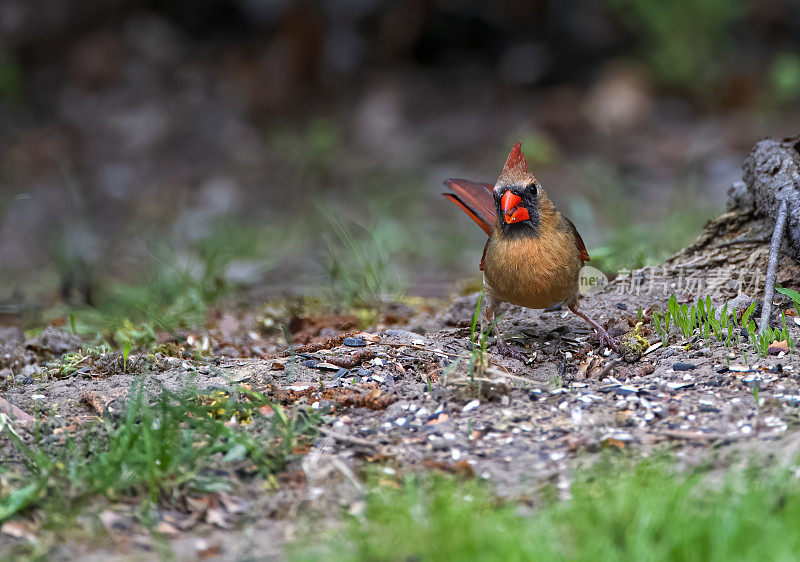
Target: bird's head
516,194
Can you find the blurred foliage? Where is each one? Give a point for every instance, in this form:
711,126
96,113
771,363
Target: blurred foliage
636,244
684,42
175,293
638,236
11,79
308,152
358,265
618,509
785,76
540,149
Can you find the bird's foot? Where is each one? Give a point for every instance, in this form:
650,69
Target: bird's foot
605,339
507,351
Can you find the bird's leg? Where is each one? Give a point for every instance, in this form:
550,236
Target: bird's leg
502,347
605,338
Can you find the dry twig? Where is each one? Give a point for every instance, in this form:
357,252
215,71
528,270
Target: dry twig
774,248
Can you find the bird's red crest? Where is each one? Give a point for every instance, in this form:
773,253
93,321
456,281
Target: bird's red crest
516,159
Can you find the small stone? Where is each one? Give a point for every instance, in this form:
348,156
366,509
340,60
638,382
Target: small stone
354,342
792,400
753,382
622,306
535,394
632,345
683,366
646,369
707,406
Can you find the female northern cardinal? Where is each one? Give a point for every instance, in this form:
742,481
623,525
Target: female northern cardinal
534,253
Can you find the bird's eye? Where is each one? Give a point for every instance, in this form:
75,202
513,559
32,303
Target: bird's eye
532,187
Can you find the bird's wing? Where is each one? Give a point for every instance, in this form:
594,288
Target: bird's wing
475,199
584,255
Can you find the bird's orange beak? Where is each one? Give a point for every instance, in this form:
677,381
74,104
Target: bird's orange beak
512,213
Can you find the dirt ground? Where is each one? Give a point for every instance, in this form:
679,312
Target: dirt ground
403,399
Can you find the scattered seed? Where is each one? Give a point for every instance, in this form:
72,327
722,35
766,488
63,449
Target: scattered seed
327,366
471,406
354,342
683,366
679,385
605,389
653,347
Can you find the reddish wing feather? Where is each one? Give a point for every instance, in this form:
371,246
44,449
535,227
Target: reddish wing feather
475,199
584,255
486,227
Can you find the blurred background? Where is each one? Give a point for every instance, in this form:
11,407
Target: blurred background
156,157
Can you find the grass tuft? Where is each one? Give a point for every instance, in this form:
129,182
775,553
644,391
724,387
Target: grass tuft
703,319
618,510
359,267
155,450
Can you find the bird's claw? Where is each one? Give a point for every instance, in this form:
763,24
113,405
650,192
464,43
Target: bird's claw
508,351
606,340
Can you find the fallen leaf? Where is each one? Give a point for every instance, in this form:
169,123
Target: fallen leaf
776,347
462,468
232,504
439,419
113,521
92,400
209,551
217,516
166,528
19,529
16,414
611,442
589,367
